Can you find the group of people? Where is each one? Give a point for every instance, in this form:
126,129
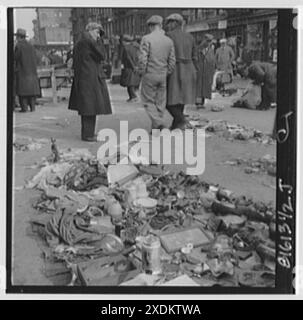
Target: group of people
172,70
167,66
26,82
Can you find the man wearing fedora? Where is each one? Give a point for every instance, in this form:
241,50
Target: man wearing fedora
181,88
27,83
89,94
157,60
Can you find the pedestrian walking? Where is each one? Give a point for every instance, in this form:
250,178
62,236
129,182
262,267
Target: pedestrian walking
265,74
157,60
130,77
224,57
89,94
27,83
182,81
206,70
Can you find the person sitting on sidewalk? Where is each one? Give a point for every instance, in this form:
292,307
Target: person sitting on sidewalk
251,97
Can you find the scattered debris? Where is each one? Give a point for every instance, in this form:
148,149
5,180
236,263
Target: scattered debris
216,108
266,164
230,131
28,144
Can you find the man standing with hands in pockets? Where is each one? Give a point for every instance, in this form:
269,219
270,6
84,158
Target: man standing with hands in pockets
156,62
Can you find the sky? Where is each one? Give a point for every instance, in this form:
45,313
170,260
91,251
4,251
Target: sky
23,18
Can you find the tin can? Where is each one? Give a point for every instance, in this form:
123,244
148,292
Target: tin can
151,259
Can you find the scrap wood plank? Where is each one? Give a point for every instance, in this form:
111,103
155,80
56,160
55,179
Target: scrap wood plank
176,240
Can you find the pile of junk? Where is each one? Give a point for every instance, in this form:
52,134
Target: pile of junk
104,223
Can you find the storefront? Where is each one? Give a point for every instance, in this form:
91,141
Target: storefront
256,32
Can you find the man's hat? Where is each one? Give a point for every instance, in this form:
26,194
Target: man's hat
20,32
175,17
154,20
93,26
223,41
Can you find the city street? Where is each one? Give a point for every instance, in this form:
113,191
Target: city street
50,121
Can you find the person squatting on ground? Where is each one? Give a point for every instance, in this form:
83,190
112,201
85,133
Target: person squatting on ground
89,94
27,83
265,74
130,77
206,70
157,60
181,87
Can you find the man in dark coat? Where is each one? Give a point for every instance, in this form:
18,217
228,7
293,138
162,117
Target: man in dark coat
130,77
181,87
27,83
89,94
265,74
206,70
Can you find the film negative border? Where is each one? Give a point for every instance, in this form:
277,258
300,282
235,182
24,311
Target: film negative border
286,181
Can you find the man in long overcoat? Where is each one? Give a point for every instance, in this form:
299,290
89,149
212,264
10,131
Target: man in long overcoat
181,87
224,57
265,74
89,94
27,83
130,77
206,69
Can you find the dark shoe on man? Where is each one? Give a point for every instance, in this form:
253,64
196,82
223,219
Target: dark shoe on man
134,100
23,110
90,139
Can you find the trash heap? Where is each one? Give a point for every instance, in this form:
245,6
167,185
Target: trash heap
266,164
230,131
114,224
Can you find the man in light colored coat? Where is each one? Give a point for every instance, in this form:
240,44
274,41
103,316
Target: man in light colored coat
224,57
156,62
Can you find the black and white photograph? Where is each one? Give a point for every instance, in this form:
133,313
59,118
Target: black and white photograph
151,150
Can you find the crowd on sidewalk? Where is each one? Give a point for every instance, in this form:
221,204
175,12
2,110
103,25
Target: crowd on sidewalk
166,66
